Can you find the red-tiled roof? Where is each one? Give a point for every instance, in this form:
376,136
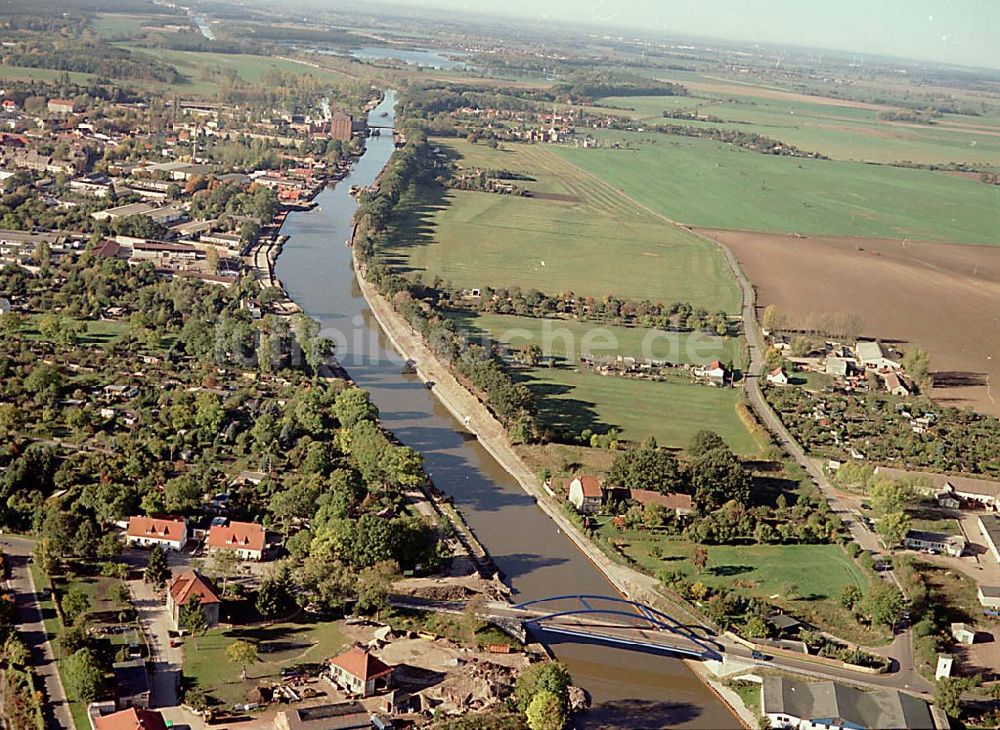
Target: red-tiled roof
777,371
590,485
237,536
188,584
131,719
716,365
169,528
361,664
671,500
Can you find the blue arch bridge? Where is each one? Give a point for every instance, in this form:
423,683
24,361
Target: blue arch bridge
606,619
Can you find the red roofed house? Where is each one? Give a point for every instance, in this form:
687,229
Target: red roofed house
680,504
778,376
61,106
131,719
585,494
360,672
245,538
187,585
167,532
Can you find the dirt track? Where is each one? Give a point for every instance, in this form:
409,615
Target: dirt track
944,297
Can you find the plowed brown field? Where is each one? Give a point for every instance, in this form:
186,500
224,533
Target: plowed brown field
943,297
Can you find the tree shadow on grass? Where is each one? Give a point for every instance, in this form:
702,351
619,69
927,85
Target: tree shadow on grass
413,226
729,570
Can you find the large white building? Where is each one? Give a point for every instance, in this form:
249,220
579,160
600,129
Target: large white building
835,706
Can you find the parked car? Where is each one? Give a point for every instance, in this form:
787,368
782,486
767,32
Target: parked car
760,656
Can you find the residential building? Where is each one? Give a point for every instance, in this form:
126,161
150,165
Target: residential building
61,106
585,494
963,633
833,706
716,372
131,719
940,542
360,672
341,716
680,504
989,525
778,376
131,684
183,588
169,533
989,597
246,539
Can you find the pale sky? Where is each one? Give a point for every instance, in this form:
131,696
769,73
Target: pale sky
965,32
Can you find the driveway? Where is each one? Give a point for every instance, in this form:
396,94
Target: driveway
167,662
32,632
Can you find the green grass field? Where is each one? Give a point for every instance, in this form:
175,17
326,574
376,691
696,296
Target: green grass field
704,183
118,25
206,664
840,132
671,411
576,235
572,338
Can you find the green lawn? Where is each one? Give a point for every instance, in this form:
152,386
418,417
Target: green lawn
805,580
279,645
576,234
704,183
572,338
672,411
815,571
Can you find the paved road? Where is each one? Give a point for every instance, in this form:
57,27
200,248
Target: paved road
866,539
32,632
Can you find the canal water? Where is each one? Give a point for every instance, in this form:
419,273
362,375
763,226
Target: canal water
629,689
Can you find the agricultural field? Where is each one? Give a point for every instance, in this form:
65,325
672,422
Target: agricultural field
571,338
843,132
197,67
672,411
118,25
572,227
704,183
938,296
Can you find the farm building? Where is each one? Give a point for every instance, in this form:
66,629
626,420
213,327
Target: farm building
989,597
963,633
344,716
873,355
989,525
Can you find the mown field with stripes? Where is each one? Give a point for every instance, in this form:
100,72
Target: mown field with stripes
572,233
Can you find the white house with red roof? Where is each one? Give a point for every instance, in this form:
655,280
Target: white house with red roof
778,376
360,672
585,494
186,586
169,533
246,539
714,371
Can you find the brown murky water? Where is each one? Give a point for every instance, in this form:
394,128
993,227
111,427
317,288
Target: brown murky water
629,689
